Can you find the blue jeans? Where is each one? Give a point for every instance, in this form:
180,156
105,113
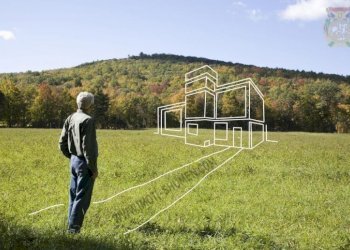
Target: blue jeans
80,192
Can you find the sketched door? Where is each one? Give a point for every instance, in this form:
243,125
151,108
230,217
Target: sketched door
237,137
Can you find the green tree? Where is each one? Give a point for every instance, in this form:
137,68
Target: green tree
12,103
2,105
317,106
43,111
152,103
132,108
115,114
100,110
28,93
65,104
279,107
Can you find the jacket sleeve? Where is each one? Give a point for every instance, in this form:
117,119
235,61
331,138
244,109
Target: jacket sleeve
89,144
63,142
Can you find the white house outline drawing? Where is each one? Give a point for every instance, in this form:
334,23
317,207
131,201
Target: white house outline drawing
244,130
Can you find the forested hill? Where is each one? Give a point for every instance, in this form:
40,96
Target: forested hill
129,90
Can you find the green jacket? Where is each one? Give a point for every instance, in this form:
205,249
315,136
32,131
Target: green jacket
78,137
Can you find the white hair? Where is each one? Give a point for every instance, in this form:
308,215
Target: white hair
85,100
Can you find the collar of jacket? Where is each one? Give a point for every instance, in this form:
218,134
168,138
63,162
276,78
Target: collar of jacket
81,111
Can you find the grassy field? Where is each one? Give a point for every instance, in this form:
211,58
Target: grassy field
294,194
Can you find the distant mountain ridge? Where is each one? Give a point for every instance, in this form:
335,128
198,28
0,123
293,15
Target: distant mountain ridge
192,59
265,71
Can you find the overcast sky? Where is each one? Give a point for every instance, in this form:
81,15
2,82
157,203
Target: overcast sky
42,34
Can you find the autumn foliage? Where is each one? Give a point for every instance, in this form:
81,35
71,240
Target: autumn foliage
128,92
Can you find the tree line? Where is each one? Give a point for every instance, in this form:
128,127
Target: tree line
128,92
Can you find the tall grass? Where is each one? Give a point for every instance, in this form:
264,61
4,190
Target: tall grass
289,195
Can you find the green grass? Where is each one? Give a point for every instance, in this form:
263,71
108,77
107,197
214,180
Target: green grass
294,194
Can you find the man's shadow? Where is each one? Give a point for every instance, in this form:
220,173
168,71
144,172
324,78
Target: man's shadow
14,236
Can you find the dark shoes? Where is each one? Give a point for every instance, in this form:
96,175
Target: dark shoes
73,230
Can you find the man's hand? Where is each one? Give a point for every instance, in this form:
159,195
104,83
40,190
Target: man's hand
94,175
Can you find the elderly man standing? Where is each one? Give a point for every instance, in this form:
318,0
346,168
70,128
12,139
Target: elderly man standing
78,143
